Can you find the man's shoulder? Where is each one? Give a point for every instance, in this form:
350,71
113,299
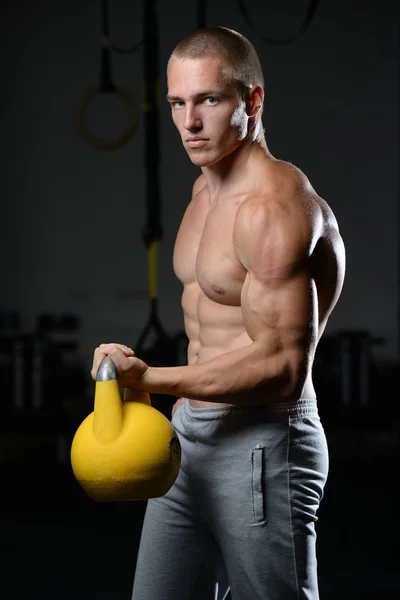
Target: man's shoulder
285,189
284,205
289,182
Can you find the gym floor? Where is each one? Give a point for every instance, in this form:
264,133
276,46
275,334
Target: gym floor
57,544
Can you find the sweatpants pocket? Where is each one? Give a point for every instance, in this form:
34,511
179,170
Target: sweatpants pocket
257,492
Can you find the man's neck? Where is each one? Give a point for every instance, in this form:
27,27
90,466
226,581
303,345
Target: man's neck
233,170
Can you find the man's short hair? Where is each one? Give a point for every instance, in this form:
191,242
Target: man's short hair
243,67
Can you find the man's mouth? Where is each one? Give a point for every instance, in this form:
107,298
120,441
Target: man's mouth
196,142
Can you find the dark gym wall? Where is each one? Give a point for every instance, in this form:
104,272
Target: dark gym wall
73,215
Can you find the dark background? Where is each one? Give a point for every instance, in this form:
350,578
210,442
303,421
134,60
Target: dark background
74,269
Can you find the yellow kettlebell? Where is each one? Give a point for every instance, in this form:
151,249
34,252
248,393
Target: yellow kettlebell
125,449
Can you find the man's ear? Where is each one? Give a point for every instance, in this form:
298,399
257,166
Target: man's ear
255,102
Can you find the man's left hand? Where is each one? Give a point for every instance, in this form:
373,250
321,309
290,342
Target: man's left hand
131,370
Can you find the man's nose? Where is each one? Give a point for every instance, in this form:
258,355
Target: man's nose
192,120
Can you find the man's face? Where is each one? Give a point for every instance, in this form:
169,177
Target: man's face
206,109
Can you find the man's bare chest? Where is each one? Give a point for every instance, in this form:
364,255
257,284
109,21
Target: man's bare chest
204,255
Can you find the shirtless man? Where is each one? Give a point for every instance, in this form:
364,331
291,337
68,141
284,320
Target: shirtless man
262,265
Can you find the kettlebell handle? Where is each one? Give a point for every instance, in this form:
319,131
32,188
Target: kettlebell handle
107,370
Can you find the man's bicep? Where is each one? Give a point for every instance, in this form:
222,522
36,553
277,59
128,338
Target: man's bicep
280,311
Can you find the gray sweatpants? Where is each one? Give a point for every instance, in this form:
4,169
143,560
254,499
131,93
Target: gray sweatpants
246,497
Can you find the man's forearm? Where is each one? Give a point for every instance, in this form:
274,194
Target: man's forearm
242,376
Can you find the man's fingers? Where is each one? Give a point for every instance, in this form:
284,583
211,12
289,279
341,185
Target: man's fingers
97,358
108,350
125,349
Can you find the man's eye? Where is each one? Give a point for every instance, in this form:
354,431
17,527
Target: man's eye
177,104
211,100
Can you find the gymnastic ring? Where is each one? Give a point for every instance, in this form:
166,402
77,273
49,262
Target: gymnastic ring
97,142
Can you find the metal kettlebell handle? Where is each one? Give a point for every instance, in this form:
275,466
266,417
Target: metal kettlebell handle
107,370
